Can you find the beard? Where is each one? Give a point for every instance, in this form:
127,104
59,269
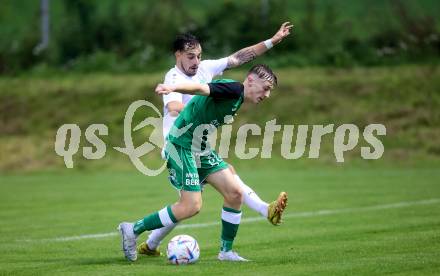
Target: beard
191,71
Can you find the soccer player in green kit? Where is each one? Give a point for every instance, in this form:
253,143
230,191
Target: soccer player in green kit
190,161
189,67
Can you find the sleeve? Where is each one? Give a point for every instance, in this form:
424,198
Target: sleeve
172,97
172,78
215,67
225,90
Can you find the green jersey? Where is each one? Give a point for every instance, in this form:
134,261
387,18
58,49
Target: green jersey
204,113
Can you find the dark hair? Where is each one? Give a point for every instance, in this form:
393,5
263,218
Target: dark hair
264,72
184,42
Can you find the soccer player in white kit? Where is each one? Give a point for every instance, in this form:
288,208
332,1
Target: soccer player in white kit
190,68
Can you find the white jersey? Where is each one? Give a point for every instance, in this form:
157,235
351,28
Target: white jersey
207,70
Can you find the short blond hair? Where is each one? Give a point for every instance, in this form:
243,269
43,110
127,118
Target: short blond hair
264,72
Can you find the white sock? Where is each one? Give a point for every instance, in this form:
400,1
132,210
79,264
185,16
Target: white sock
157,235
251,198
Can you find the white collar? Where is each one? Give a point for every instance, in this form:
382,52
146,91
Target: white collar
181,73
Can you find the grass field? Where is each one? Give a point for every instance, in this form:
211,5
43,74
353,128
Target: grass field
345,220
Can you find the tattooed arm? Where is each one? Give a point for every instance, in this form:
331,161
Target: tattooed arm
245,55
249,53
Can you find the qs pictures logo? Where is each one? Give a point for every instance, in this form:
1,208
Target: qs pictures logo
345,139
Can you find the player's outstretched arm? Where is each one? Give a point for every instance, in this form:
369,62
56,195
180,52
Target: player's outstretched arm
184,88
249,53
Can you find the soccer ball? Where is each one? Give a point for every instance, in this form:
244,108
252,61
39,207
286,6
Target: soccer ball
183,249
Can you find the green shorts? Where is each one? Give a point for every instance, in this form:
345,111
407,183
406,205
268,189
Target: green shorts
186,172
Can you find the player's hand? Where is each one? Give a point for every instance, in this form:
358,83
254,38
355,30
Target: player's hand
282,32
163,89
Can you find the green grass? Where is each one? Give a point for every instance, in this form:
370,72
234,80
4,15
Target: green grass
38,207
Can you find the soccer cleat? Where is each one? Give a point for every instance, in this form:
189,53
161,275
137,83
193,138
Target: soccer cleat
230,256
276,209
128,240
145,250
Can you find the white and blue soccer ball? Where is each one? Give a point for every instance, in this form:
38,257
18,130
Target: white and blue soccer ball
183,249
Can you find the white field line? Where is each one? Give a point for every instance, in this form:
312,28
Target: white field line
253,219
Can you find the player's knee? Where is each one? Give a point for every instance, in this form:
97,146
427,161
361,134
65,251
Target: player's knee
193,208
188,207
236,196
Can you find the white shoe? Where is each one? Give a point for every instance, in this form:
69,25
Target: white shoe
230,256
128,240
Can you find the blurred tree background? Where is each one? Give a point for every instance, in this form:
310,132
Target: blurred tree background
131,36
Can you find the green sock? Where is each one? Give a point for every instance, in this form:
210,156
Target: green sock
154,221
230,222
149,222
